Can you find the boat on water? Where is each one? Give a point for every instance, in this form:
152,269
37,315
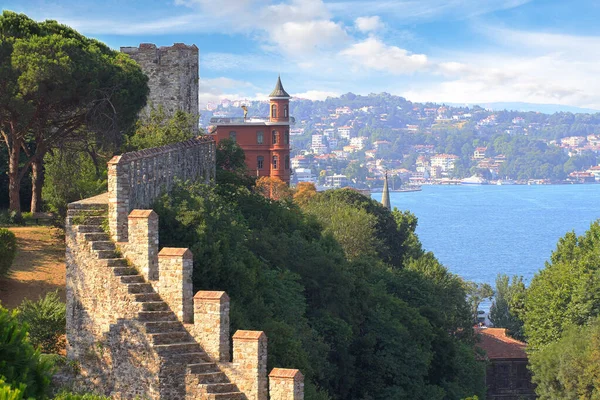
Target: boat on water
473,180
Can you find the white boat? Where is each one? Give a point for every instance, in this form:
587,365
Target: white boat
474,180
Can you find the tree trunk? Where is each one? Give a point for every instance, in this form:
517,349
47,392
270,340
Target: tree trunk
14,180
37,181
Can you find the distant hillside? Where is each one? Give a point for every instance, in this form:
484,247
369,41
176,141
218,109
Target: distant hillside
526,107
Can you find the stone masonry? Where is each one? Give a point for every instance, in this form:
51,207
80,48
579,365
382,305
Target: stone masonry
134,326
173,76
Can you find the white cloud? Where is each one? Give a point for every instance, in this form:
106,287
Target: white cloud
215,89
315,95
376,55
300,39
368,24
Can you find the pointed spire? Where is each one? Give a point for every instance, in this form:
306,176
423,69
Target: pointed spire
279,91
385,197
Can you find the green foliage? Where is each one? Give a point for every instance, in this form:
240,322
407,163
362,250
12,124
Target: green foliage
155,128
8,250
508,305
20,364
569,368
477,292
59,87
357,327
9,393
71,176
567,291
231,165
46,319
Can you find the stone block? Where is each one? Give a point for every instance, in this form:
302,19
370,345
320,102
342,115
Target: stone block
250,358
175,281
286,384
211,323
142,245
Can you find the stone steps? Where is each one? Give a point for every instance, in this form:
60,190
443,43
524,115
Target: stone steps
103,245
203,368
176,349
155,306
226,396
125,271
132,279
163,326
207,378
117,262
143,297
196,357
105,254
96,236
89,229
169,337
156,316
139,287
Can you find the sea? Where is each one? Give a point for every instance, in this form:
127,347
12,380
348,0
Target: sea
481,231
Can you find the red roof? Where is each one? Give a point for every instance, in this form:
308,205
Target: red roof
499,346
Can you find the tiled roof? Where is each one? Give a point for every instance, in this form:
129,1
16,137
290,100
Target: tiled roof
279,91
499,346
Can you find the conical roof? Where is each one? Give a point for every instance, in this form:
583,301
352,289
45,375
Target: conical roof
385,197
279,91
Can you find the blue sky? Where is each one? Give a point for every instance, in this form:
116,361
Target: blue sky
459,51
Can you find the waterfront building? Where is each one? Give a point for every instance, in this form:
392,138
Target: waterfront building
265,141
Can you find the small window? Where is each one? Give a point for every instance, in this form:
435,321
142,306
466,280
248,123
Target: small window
232,136
275,162
287,162
273,111
287,137
260,161
259,137
275,137
285,111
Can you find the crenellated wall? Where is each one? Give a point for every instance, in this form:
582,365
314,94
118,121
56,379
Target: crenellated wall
136,179
133,323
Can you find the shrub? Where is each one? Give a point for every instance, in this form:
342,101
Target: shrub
9,393
20,363
8,249
46,319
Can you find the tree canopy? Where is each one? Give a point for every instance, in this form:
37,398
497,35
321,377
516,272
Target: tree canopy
57,86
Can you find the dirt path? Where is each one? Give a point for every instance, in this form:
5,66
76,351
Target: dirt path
39,265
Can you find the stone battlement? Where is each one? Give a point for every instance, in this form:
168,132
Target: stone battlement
134,324
136,179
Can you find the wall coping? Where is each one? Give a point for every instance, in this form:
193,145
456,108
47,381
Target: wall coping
178,252
249,335
142,214
285,373
211,295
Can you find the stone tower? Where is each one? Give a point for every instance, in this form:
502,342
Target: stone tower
385,197
279,113
173,75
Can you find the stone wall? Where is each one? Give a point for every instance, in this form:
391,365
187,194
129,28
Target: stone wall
133,324
137,178
173,75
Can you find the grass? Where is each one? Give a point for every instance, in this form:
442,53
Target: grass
39,266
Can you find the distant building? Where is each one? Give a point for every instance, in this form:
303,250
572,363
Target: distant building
345,132
360,142
381,145
507,376
573,141
343,111
444,161
479,153
304,175
337,181
266,142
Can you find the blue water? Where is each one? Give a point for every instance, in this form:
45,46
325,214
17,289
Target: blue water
478,232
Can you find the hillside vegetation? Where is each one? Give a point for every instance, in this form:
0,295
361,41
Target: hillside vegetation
340,285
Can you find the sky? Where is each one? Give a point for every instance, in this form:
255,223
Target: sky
452,51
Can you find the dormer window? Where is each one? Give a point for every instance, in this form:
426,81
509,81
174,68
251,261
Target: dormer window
274,111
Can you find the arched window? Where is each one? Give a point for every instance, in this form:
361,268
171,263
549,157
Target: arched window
287,162
285,111
275,137
273,111
275,162
287,137
260,160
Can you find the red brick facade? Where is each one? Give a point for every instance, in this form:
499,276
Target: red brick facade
266,144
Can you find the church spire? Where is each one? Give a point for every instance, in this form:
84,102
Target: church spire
385,197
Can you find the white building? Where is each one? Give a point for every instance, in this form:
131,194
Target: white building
360,142
345,132
337,181
444,161
304,175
